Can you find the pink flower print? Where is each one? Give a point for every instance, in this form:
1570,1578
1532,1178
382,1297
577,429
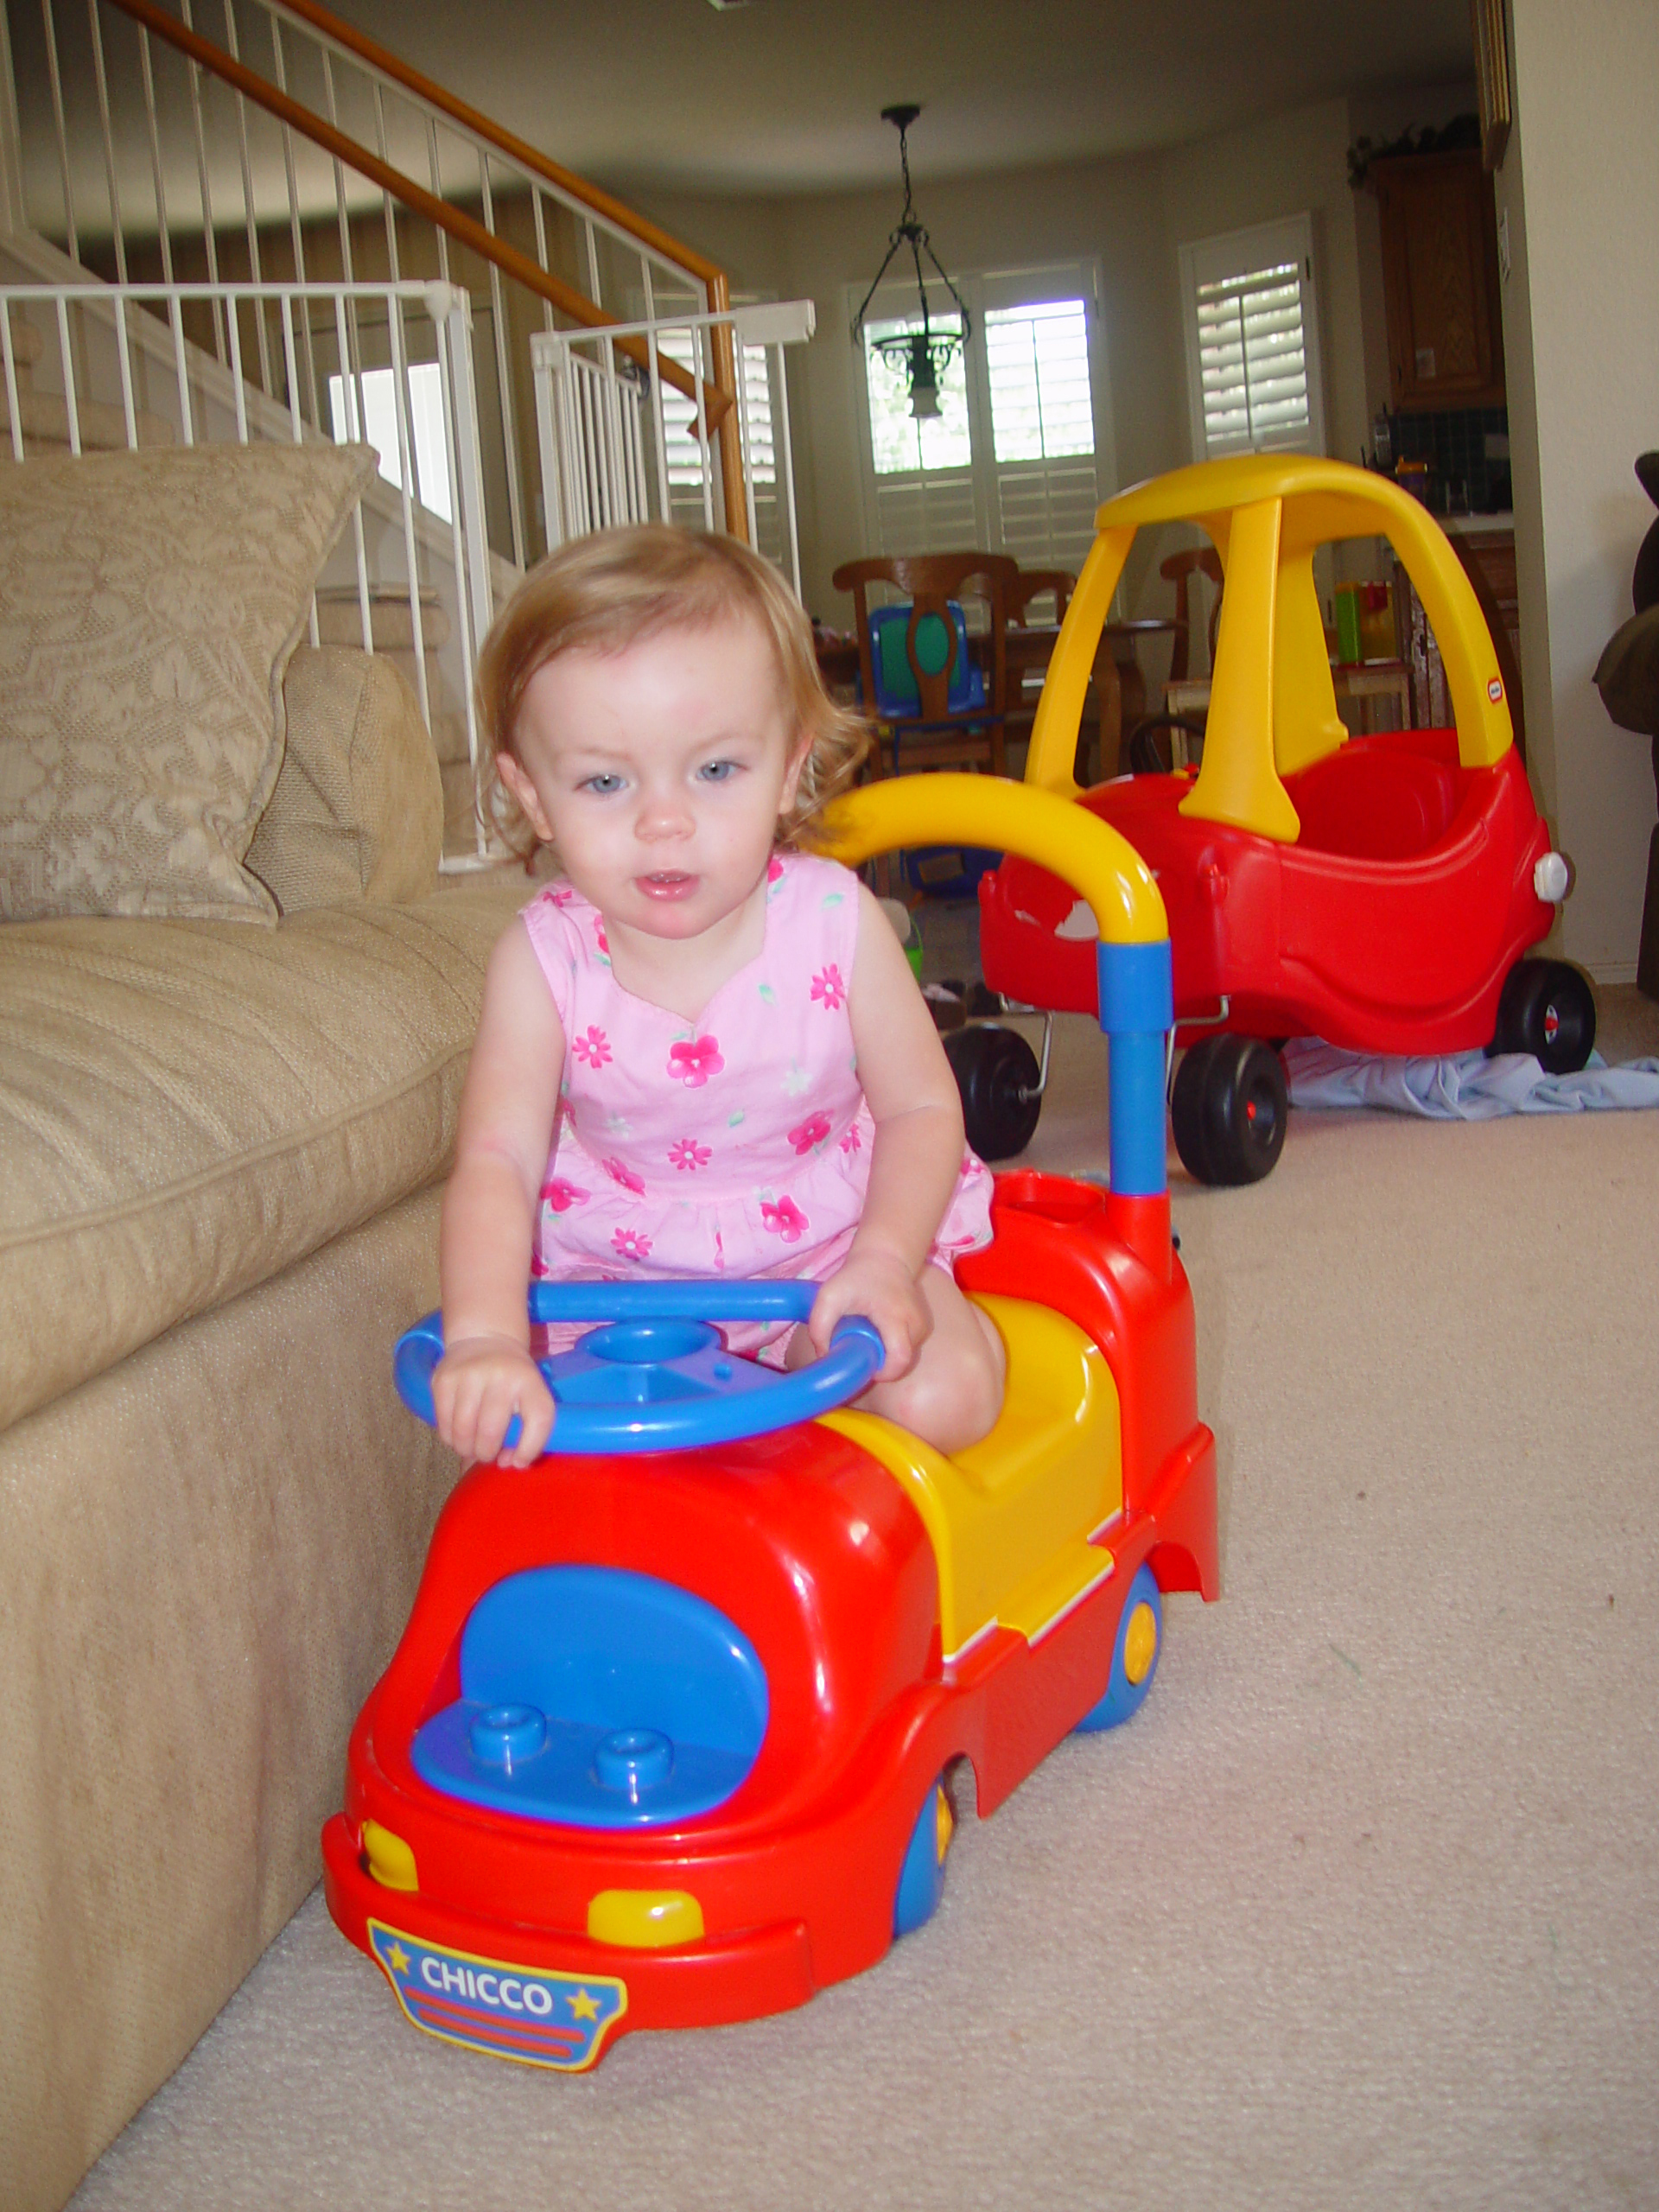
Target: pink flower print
631,1245
561,893
688,1153
852,1141
561,1196
774,869
624,1175
692,1063
829,987
592,1046
810,1133
785,1219
599,938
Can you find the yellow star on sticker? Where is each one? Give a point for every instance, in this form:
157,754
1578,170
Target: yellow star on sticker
582,2006
398,1959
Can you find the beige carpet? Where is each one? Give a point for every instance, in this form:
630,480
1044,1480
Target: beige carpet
1361,1912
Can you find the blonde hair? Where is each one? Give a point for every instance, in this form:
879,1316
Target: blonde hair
604,592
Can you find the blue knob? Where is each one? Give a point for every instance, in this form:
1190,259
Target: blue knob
632,1761
506,1735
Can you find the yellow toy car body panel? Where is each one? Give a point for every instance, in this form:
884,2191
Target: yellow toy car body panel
1272,708
1011,1518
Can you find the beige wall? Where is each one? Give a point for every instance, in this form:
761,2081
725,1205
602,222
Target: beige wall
1132,215
1580,186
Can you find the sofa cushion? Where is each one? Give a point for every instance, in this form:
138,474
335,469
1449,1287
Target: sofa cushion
185,1108
357,810
149,602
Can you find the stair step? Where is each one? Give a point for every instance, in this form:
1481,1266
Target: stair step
26,345
43,418
340,621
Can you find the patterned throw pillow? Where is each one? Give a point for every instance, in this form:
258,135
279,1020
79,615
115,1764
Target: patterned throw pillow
149,603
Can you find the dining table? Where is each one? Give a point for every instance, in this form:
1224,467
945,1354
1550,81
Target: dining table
1119,682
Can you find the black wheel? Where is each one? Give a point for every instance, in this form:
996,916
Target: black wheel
1546,1009
1229,1109
997,1075
1186,1116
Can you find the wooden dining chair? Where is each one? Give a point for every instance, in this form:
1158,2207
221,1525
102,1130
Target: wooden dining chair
1150,745
940,718
1029,655
1030,585
1178,569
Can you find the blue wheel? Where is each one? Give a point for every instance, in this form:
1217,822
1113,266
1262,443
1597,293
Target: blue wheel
921,1878
1135,1655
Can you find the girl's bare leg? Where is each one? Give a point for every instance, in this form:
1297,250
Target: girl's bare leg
953,1395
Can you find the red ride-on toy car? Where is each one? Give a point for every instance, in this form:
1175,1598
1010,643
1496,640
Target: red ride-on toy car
666,1741
1377,892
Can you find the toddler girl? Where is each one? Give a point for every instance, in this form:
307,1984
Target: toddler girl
701,1051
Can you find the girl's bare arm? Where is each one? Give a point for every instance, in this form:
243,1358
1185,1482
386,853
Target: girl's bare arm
506,1130
917,1154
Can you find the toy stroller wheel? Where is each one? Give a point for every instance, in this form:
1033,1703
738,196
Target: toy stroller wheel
1229,1109
921,1878
997,1076
1135,1655
1548,1009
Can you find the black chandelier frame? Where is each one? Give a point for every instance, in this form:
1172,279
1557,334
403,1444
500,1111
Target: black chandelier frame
926,353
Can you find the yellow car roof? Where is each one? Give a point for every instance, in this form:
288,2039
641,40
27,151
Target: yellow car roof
1272,706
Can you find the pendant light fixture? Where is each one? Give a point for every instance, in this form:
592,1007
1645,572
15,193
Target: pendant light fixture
926,353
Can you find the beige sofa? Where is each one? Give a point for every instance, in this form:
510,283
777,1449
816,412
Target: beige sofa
222,1130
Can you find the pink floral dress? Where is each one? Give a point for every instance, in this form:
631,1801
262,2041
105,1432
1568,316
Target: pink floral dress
737,1144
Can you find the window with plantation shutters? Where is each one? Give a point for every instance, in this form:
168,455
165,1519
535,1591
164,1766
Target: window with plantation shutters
1010,462
1252,341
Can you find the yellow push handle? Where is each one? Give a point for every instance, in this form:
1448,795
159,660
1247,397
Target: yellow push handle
1059,834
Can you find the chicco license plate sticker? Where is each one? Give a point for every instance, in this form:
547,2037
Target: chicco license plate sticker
513,2012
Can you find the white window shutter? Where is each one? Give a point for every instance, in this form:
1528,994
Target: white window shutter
1010,462
1252,341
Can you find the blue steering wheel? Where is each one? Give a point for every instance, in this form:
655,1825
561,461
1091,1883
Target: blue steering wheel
657,1377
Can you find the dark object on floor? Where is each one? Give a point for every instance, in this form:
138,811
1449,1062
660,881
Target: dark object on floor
1546,1009
1152,750
1229,1109
944,1004
997,1075
1627,676
947,871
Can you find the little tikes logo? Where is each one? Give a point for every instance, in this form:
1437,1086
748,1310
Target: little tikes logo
1494,690
542,2019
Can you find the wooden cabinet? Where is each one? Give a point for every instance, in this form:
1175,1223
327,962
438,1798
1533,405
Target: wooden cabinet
1440,277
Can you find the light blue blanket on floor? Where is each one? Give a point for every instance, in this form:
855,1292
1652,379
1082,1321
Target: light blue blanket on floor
1463,1086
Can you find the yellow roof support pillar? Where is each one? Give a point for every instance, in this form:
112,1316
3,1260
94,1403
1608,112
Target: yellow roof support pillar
1238,782
1305,724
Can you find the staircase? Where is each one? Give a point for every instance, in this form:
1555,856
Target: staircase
277,229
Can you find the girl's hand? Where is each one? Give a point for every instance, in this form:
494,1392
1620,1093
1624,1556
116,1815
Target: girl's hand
477,1388
884,1290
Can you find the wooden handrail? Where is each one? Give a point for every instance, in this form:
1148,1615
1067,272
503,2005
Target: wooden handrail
716,290
717,404
519,150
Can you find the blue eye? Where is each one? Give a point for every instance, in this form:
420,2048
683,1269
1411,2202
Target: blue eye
603,785
718,771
